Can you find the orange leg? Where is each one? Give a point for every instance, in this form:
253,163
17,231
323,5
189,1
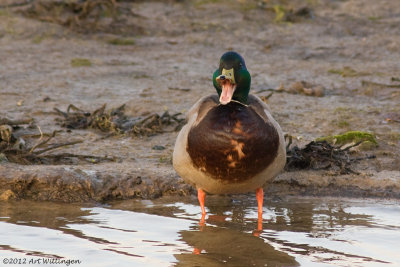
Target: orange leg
202,222
201,195
260,198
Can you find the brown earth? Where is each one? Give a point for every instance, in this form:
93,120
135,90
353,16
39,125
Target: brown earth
347,52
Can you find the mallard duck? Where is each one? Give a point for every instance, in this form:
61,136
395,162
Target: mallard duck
231,143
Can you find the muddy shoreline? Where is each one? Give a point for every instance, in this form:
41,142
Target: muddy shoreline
79,184
344,54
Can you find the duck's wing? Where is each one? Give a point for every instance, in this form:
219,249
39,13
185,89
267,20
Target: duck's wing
260,107
264,111
200,108
181,159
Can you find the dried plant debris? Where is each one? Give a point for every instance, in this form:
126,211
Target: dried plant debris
320,155
155,123
75,118
14,148
7,134
84,15
116,121
300,87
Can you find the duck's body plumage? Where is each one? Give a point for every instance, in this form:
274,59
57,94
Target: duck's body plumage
231,143
231,148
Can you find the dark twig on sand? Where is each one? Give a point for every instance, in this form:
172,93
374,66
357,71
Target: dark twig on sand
57,146
14,150
156,124
63,158
17,4
369,83
14,122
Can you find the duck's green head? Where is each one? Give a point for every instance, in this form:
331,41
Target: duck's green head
231,79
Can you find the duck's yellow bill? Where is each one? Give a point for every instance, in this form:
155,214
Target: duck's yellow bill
228,84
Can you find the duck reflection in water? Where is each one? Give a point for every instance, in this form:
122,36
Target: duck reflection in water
227,236
219,206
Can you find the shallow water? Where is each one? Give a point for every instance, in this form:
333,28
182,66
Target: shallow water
166,232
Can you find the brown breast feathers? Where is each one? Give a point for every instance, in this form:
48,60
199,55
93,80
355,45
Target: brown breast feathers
233,143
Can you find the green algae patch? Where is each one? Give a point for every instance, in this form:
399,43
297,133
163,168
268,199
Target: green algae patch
366,140
80,62
280,13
